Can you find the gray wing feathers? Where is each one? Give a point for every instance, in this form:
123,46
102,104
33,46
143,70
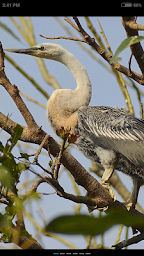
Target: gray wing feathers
114,129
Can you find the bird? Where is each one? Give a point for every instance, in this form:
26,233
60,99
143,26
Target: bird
105,135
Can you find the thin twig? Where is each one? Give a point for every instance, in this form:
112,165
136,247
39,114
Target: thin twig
64,37
73,25
130,59
40,148
141,106
119,233
104,36
58,160
93,30
44,169
32,100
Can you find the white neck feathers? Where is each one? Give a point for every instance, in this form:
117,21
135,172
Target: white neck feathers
63,105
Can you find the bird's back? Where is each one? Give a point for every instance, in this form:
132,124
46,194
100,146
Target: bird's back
110,129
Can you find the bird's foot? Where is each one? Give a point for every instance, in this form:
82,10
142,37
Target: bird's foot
129,205
131,202
107,186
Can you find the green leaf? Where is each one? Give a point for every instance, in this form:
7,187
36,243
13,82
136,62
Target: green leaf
5,227
10,171
21,167
25,156
127,42
87,225
17,133
6,178
13,139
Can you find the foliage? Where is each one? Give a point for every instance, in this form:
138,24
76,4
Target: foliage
88,225
127,42
10,172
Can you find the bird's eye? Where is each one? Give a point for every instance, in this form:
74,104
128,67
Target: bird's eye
41,48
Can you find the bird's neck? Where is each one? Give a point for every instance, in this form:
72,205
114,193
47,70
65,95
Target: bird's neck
83,90
64,104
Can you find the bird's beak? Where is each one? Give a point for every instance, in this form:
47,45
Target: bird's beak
30,51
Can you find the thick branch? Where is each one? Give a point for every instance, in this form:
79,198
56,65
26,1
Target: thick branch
137,50
24,242
81,176
80,199
133,240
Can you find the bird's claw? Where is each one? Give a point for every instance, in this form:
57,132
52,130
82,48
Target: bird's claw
107,186
129,205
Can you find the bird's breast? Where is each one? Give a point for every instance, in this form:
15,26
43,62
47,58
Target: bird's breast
58,118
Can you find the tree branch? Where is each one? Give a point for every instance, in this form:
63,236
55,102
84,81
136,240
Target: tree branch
91,41
101,51
80,199
64,37
136,49
133,240
81,176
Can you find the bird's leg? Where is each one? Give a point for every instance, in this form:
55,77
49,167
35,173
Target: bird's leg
107,174
109,169
134,195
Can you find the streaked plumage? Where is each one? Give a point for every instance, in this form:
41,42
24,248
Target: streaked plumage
113,129
108,136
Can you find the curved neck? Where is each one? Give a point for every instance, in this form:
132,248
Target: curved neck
83,90
64,104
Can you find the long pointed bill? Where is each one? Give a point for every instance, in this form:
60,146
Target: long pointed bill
30,51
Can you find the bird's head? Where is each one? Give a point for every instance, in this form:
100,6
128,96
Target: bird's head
45,50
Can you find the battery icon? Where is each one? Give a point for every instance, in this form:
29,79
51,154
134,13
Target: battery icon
126,4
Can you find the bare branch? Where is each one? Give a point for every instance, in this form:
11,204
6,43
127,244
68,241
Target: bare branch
25,242
73,25
136,49
40,148
133,240
91,41
64,37
135,26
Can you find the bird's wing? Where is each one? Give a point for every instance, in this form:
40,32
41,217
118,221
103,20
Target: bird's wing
114,129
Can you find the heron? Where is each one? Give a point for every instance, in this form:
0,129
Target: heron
108,136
